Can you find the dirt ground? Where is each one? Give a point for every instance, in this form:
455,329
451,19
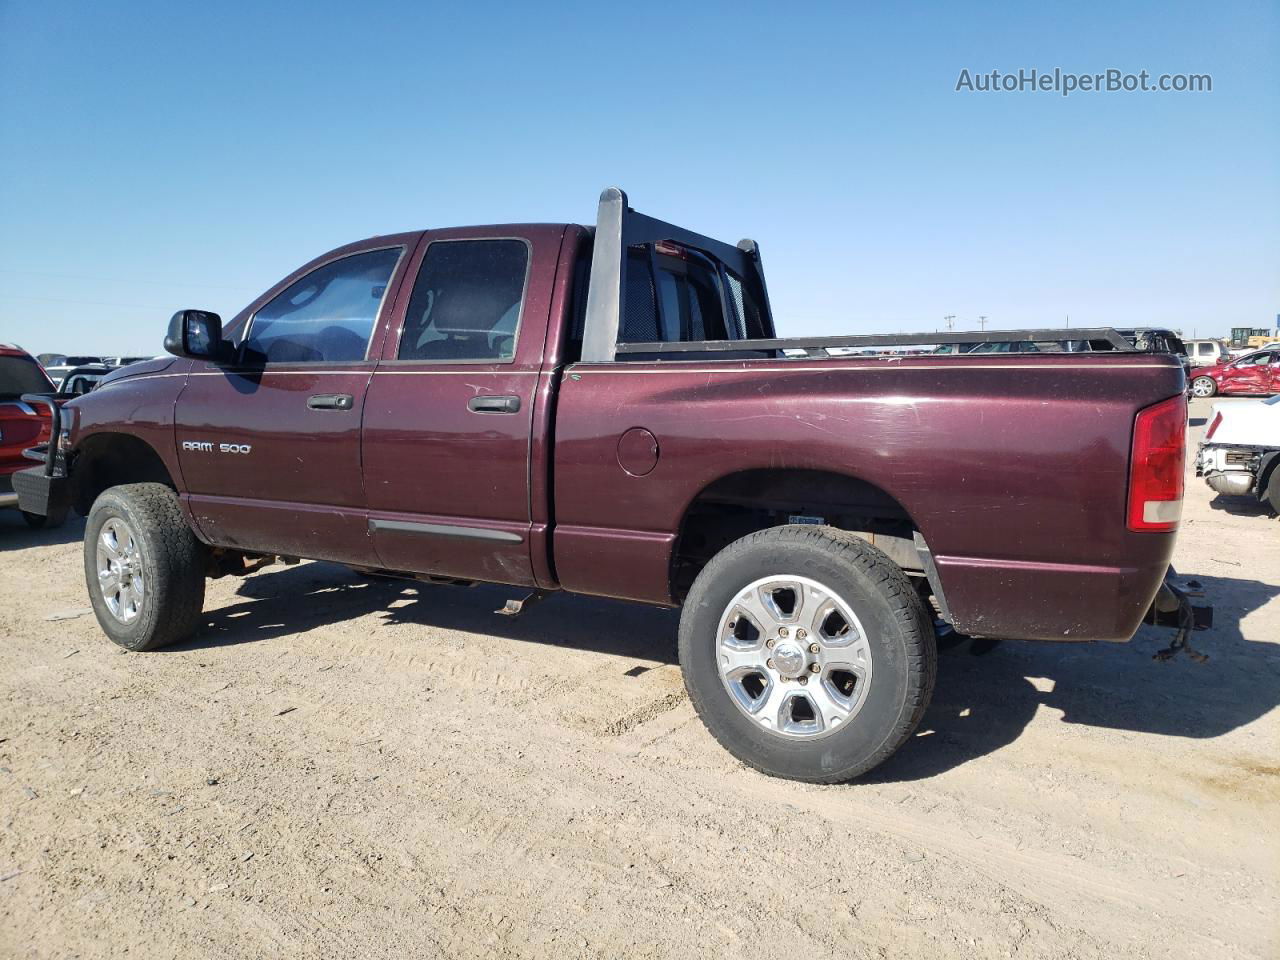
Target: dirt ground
342,768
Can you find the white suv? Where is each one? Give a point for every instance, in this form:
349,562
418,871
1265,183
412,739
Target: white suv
1205,353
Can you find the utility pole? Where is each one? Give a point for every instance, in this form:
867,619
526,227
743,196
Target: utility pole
982,321
951,321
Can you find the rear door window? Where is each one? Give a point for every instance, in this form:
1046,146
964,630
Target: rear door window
466,302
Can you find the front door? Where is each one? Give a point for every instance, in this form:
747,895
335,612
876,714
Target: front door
270,448
449,415
1250,374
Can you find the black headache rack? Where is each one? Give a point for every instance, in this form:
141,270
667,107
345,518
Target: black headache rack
623,262
50,400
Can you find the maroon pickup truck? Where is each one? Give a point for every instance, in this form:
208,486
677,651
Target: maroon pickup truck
608,411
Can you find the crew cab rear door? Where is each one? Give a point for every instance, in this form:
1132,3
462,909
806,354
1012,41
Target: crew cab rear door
448,424
269,447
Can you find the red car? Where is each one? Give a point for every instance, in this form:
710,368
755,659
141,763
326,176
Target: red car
1254,374
21,425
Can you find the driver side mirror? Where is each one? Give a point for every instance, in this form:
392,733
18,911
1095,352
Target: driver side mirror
197,335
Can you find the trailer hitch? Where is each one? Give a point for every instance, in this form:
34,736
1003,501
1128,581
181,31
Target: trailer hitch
1172,607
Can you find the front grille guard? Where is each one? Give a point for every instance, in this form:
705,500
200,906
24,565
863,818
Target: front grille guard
50,457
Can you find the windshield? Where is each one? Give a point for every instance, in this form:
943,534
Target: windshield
19,375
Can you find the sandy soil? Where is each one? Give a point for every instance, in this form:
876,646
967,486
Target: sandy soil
340,768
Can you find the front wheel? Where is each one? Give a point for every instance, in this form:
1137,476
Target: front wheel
143,566
1204,387
807,653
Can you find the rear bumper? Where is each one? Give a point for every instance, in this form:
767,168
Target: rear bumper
45,496
1049,601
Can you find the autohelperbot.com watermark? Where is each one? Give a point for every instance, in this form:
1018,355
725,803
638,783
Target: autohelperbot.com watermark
1065,83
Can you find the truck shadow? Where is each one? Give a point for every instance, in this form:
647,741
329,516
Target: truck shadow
981,703
312,595
16,535
1241,506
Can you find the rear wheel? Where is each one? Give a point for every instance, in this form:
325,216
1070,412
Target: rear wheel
143,566
1204,387
807,653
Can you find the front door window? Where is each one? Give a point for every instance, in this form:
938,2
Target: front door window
326,316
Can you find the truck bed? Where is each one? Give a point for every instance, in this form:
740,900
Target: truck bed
1012,468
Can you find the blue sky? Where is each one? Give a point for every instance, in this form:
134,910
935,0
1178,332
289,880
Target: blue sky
158,155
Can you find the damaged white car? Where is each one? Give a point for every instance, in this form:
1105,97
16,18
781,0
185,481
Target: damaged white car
1240,454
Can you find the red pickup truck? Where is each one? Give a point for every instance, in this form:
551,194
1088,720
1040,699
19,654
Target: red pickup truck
608,411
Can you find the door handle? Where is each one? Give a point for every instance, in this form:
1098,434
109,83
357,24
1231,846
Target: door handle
494,404
331,401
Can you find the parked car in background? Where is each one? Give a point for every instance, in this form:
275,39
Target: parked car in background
80,380
1254,374
1205,353
59,365
1240,453
57,372
21,424
1236,352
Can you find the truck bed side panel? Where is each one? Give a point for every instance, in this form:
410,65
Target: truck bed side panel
1014,469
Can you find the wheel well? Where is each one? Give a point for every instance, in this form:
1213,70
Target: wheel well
109,460
751,500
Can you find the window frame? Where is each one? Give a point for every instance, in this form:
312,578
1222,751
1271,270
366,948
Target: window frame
287,283
394,348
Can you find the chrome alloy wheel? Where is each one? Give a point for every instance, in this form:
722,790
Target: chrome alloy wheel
119,565
793,657
1202,387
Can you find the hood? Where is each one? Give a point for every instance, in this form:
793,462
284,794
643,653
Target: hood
1251,423
135,369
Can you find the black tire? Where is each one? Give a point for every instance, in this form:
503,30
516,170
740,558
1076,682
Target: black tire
37,522
1273,488
172,562
896,624
1210,387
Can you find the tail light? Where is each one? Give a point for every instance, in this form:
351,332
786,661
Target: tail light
1156,466
1213,426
